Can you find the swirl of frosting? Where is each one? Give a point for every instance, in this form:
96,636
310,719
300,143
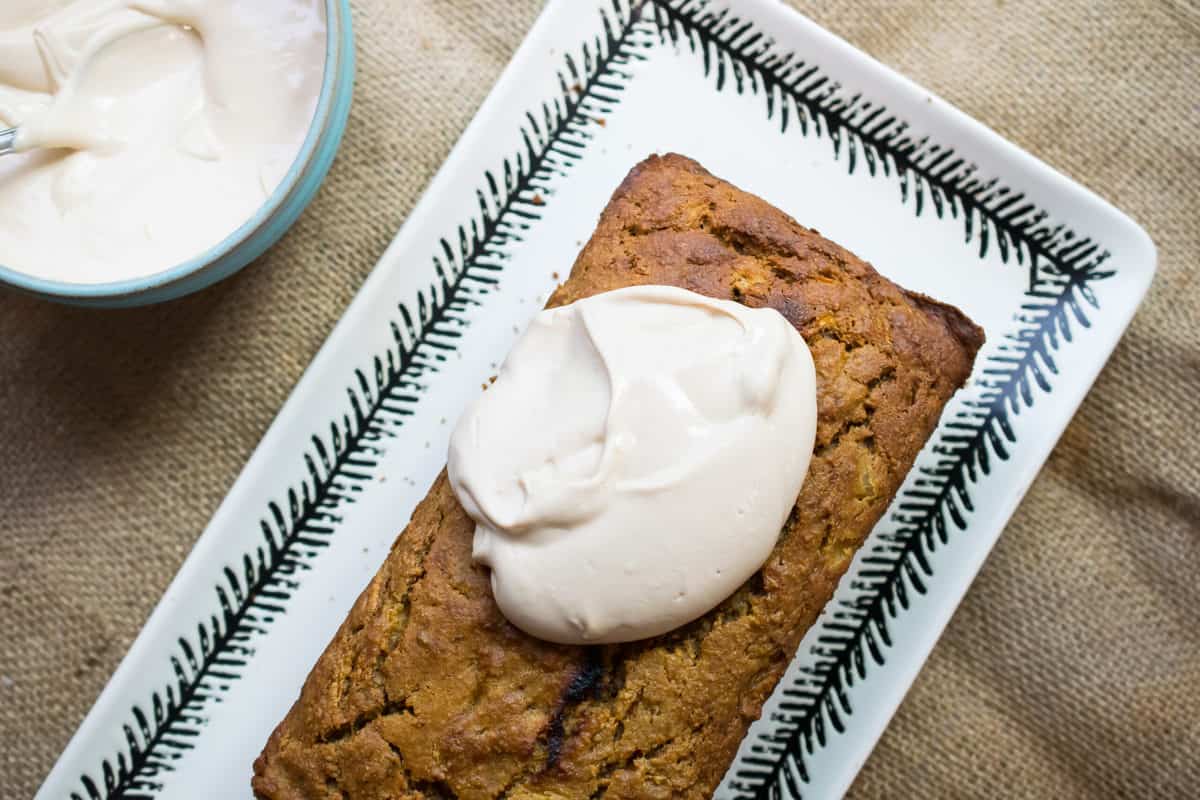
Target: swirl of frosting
635,461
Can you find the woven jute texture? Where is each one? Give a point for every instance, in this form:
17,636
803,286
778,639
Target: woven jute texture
1072,669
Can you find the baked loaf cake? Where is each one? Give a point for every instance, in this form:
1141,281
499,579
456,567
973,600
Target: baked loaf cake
427,691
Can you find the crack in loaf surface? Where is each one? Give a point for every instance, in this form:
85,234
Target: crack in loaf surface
427,692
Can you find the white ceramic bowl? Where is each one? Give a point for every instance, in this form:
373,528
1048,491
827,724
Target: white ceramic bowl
259,232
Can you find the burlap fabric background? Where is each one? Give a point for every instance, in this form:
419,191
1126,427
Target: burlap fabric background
1071,670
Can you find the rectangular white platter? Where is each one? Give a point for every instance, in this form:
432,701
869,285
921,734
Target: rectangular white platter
778,106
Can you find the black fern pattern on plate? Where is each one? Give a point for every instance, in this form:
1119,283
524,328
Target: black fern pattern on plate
340,460
1061,268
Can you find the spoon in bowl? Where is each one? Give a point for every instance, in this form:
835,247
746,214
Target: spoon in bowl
40,137
8,141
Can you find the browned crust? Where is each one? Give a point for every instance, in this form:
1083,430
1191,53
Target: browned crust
427,692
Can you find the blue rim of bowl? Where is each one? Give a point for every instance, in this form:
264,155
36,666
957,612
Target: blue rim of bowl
332,104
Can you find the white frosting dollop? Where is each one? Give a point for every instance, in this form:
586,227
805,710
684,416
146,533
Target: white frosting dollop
154,128
635,461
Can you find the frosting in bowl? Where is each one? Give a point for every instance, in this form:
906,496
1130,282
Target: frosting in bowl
153,128
635,461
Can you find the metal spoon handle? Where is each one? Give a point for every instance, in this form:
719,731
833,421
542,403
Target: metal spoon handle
8,141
